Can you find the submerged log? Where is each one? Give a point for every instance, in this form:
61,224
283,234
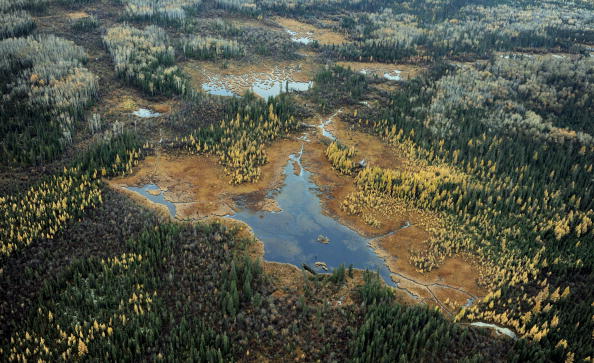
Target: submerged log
309,269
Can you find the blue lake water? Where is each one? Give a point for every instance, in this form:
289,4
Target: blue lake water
217,90
268,88
291,235
159,198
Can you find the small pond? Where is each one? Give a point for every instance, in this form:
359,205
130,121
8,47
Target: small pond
263,88
145,113
291,235
154,194
217,90
270,88
393,76
299,38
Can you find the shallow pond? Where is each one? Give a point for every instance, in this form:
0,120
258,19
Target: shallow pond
145,113
295,234
498,329
299,38
269,88
149,191
263,88
216,90
291,235
393,76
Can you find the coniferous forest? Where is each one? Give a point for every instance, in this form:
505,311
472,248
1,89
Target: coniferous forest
179,180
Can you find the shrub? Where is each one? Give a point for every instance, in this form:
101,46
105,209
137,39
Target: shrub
85,24
210,48
146,59
8,5
16,24
165,10
44,88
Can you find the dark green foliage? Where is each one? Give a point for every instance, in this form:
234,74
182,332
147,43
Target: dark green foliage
16,24
113,156
337,86
119,299
238,285
86,23
146,59
373,291
371,51
338,275
210,48
44,89
398,333
530,166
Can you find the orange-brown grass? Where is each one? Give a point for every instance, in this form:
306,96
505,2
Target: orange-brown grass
459,271
77,15
200,184
408,70
323,36
239,76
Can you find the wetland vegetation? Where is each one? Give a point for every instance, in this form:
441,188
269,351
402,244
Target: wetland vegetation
296,180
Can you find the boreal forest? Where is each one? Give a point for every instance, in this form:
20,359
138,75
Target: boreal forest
366,181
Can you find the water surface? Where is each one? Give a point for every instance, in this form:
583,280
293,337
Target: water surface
217,90
145,113
157,198
291,235
270,88
299,39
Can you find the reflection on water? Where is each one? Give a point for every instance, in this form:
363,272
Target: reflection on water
216,90
393,76
263,88
149,191
290,236
269,88
145,113
299,39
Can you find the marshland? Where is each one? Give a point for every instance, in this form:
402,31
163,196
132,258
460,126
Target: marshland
296,180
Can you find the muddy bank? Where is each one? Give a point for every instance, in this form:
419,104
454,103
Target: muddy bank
199,187
298,199
403,227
